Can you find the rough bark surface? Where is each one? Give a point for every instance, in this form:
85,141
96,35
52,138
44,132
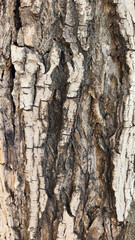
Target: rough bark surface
67,119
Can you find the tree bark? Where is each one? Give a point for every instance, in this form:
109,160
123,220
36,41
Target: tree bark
67,120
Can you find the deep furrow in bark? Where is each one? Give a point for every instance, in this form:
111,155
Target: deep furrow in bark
67,120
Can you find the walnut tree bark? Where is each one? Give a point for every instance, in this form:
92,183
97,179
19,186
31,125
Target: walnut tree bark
67,119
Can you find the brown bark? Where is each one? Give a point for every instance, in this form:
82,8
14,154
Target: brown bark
67,120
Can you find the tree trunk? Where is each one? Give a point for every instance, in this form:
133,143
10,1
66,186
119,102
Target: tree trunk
67,120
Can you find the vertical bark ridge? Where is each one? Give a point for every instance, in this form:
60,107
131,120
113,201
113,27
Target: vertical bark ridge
67,120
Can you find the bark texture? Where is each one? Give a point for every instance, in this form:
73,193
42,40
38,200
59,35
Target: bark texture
67,120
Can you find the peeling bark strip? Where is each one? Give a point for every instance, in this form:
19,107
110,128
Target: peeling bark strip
67,120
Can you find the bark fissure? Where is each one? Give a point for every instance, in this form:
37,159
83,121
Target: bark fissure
17,18
67,120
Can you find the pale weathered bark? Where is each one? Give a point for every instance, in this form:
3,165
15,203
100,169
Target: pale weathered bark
67,119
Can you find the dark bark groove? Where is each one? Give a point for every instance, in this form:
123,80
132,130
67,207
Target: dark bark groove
67,120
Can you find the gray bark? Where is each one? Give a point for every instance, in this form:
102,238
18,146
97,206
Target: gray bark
67,120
